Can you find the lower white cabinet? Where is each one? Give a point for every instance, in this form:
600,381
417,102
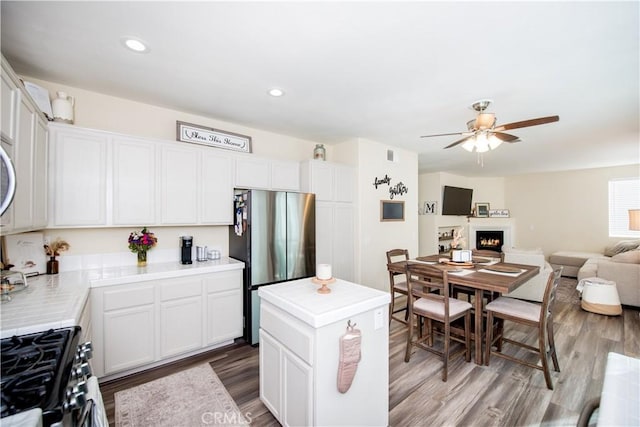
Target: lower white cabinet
180,316
141,324
286,386
223,300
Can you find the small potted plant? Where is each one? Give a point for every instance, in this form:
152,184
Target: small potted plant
140,242
53,250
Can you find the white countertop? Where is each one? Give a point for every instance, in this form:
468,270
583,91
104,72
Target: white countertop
301,299
56,301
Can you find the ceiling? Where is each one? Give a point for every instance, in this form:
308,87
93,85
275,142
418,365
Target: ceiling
382,71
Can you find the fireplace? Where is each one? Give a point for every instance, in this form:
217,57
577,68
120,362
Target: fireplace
489,240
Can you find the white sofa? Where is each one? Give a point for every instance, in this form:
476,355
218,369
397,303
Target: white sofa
622,268
532,290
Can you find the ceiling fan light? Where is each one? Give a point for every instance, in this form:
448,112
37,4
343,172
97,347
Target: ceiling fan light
482,144
494,142
469,144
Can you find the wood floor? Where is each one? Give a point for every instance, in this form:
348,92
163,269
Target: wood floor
503,394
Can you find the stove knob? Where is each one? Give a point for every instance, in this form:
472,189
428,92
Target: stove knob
81,387
75,401
84,352
81,371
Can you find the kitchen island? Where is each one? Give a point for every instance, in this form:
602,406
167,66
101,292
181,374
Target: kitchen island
300,332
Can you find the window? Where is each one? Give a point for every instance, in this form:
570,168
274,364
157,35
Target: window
624,194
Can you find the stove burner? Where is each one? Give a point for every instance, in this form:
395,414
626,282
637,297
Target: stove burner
34,371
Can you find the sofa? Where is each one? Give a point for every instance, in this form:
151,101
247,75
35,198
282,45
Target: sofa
532,290
622,268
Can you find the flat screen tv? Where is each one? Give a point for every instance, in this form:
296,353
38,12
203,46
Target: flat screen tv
456,200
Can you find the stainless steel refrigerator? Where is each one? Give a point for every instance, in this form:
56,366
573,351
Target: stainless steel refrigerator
274,234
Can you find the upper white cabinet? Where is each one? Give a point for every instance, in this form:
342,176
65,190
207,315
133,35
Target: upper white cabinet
134,189
334,186
79,177
102,179
266,174
216,189
179,184
24,136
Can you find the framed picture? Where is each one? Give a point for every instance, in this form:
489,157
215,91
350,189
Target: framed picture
498,213
26,252
391,210
482,210
196,134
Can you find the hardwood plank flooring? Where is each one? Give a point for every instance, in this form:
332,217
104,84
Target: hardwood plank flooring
502,394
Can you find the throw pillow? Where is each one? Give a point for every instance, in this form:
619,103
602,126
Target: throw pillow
630,257
621,246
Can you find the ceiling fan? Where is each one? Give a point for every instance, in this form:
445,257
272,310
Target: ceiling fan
482,132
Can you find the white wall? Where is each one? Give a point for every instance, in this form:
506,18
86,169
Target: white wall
376,237
485,190
564,210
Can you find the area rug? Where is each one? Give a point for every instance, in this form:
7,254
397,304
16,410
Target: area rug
194,397
567,292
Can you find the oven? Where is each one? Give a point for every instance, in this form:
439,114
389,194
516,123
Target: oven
50,370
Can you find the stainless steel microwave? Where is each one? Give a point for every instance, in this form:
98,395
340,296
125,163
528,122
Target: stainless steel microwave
7,181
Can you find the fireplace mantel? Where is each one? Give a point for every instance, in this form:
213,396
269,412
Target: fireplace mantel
506,225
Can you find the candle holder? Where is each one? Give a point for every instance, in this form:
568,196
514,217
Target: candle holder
324,289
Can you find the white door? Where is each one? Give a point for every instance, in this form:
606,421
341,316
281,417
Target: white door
179,185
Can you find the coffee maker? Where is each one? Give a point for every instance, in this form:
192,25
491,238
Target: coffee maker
186,243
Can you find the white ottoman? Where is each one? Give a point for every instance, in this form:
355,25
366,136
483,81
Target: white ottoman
600,296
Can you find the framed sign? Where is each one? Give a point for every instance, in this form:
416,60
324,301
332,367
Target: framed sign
196,134
391,210
498,213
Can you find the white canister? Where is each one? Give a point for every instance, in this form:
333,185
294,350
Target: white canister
62,108
323,271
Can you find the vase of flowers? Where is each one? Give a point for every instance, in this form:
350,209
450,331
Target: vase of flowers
140,242
53,250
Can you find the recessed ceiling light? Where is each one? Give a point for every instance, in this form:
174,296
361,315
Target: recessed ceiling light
135,45
276,92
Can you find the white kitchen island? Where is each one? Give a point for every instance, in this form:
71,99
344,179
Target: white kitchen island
300,331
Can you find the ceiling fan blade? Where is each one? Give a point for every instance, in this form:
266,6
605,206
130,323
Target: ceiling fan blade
443,134
460,141
505,137
527,123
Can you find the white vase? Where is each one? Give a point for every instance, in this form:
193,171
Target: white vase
62,107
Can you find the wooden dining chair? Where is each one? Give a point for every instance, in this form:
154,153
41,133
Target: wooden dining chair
441,308
539,316
397,284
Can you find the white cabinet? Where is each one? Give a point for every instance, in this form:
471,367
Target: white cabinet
24,136
79,177
286,383
134,189
9,94
224,302
266,174
140,324
216,188
179,184
40,176
180,316
126,317
334,186
253,173
285,175
103,179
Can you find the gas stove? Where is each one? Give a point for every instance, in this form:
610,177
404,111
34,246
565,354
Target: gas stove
46,370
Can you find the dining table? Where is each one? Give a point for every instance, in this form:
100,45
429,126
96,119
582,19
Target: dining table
480,275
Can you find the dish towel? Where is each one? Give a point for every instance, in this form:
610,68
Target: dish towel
349,357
